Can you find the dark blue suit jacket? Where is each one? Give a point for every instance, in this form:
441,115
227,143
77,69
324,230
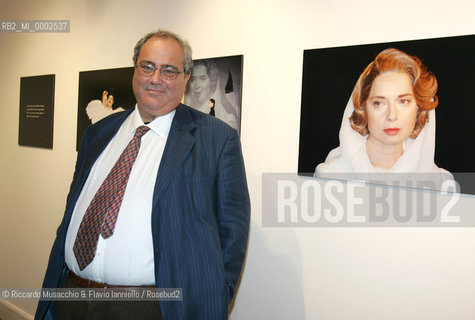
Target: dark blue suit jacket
200,215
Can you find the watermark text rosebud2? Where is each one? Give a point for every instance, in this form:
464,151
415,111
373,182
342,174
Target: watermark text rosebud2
290,200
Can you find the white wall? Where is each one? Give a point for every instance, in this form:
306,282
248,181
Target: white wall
290,273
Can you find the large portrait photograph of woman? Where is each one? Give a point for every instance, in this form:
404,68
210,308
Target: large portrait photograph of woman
393,112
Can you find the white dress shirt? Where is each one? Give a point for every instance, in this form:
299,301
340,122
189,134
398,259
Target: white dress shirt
126,258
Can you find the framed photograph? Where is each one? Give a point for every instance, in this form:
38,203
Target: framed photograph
330,75
36,111
215,88
101,93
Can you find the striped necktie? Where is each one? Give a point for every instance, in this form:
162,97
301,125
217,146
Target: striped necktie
101,215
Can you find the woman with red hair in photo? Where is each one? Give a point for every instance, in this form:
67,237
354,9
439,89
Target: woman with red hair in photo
389,122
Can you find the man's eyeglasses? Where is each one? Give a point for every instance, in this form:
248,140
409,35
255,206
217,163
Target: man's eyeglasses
148,69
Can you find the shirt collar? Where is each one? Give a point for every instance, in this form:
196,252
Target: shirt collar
160,125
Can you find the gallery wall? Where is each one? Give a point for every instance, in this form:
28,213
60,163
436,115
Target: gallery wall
290,272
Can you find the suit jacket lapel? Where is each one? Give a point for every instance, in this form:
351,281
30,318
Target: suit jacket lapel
179,143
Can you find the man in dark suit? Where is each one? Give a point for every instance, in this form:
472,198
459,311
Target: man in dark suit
184,217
